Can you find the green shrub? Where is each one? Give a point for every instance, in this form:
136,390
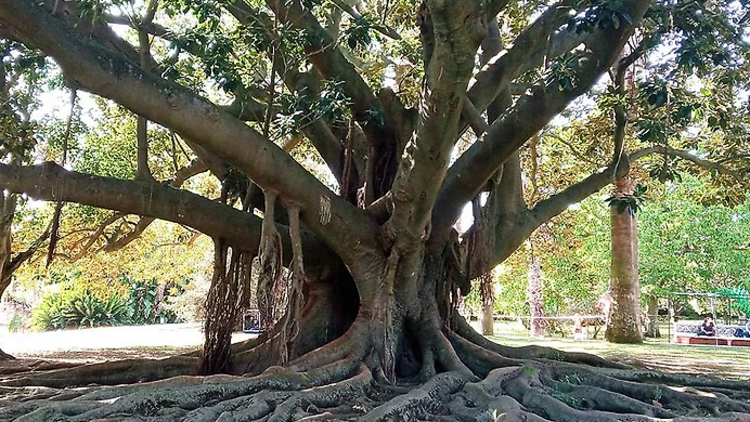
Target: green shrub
145,305
16,324
88,310
74,307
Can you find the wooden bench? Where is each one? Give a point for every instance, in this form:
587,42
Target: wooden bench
686,332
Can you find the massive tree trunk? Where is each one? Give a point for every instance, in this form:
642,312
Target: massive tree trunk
625,323
370,330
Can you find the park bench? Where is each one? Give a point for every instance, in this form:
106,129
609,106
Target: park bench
686,332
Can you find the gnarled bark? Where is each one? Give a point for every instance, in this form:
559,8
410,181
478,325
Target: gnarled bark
377,334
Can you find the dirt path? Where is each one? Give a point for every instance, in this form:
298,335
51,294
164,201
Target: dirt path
107,343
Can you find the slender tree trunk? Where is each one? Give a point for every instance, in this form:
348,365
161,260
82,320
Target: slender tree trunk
625,322
653,317
534,293
488,303
7,209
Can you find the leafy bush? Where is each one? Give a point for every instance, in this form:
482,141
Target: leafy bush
16,324
76,307
88,310
146,300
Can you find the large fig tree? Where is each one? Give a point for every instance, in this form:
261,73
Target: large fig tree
373,270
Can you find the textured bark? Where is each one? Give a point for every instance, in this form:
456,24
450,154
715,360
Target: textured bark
375,335
534,294
652,329
7,210
625,324
487,295
230,286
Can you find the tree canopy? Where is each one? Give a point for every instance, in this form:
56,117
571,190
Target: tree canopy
416,109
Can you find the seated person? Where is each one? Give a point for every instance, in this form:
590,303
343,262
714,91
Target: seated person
743,331
707,328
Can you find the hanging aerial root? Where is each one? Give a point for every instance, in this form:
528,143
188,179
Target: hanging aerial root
270,260
221,308
382,316
294,287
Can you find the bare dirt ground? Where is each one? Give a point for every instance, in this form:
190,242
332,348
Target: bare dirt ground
107,343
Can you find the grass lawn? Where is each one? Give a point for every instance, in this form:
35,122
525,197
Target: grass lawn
723,361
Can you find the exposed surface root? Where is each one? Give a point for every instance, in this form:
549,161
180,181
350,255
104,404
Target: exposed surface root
108,373
339,381
532,351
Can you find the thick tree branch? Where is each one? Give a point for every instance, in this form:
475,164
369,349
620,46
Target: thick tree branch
685,155
529,115
303,83
192,169
51,182
385,30
340,224
457,31
527,51
332,65
525,223
244,106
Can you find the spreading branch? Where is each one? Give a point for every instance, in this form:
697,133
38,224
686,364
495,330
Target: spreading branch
529,115
51,182
99,71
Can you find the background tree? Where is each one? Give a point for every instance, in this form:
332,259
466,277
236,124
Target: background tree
374,268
